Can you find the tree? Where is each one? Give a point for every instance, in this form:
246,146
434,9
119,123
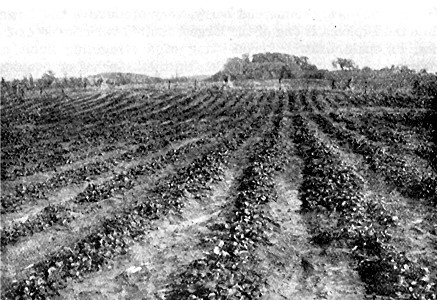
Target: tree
302,61
405,69
344,64
246,58
235,66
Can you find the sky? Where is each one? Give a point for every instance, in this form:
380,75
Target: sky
183,38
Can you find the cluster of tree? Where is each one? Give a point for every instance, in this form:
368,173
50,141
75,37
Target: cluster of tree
268,66
19,88
389,78
344,64
282,66
426,85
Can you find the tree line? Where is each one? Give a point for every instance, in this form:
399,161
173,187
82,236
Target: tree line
20,88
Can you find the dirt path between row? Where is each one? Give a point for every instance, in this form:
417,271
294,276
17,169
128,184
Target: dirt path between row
171,243
294,267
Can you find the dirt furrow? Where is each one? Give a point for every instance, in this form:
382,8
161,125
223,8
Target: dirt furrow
171,243
92,251
294,267
34,248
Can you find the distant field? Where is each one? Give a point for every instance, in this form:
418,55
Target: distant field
214,193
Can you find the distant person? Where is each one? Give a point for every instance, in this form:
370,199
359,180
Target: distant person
230,84
348,84
225,82
18,92
416,85
64,94
333,84
4,85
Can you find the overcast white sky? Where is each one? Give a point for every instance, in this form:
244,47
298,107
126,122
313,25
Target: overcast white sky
196,37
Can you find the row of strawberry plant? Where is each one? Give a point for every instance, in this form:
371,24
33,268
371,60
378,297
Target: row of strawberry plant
229,101
317,99
293,102
148,107
219,100
172,109
104,132
126,179
11,203
117,232
238,102
26,112
306,105
37,191
396,135
328,98
84,110
17,164
229,270
417,120
377,129
380,98
331,186
58,128
154,142
68,105
411,180
120,183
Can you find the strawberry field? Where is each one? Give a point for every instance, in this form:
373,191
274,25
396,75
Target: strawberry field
218,194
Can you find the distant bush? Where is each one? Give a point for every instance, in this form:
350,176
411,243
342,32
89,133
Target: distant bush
344,64
425,85
316,74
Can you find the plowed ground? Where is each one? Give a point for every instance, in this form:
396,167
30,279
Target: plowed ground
233,194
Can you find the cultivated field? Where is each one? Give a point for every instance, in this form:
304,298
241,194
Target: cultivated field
218,194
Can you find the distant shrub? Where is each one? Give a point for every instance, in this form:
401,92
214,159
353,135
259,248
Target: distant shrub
317,74
426,85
